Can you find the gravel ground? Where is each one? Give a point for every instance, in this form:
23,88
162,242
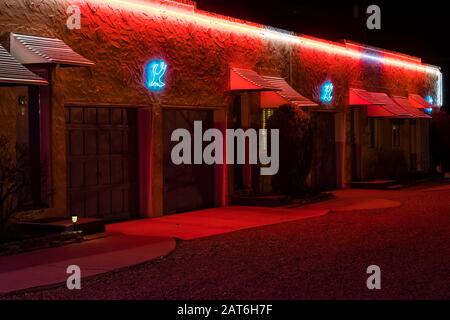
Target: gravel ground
320,258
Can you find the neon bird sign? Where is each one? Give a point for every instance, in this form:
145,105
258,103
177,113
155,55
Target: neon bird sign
430,100
326,92
155,72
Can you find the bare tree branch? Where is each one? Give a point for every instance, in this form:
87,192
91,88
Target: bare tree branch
14,179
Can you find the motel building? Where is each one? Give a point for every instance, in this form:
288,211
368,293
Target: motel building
96,106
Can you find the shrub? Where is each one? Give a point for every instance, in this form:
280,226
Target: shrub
14,179
296,146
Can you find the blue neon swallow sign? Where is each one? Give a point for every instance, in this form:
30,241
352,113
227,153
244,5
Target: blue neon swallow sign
430,100
155,72
326,92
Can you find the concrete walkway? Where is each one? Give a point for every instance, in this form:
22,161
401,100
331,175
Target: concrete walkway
210,222
48,266
356,199
445,187
133,242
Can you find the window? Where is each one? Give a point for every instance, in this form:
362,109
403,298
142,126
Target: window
266,114
372,133
396,134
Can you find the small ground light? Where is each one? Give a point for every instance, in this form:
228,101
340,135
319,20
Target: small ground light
74,221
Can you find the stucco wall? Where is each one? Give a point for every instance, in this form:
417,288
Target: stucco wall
120,42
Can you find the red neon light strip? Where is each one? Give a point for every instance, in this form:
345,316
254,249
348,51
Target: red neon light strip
260,31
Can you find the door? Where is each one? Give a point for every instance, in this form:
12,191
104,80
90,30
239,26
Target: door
102,162
238,169
187,187
323,175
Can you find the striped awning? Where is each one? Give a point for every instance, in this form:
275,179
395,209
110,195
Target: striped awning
248,80
418,101
379,104
12,73
361,97
405,104
285,95
42,50
390,105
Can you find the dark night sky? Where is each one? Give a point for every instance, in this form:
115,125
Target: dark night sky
411,27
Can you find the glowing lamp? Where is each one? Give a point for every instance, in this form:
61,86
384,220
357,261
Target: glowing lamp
154,75
22,105
74,219
326,92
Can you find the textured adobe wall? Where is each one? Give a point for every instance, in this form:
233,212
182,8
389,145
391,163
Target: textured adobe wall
120,42
8,111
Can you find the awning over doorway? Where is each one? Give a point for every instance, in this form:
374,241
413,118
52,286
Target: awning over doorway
379,112
379,104
13,73
418,101
285,95
42,50
405,104
360,97
391,106
248,80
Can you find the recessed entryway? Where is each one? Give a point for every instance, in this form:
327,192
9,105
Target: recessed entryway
323,173
187,187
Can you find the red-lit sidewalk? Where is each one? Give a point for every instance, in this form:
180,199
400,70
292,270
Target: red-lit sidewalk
357,199
210,222
216,221
133,242
48,266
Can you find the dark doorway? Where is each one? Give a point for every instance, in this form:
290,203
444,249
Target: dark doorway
355,143
238,169
102,162
187,187
34,142
323,176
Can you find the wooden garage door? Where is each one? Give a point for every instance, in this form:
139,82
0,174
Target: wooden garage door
102,162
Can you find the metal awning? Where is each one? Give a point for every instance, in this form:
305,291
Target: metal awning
379,104
37,50
12,73
379,112
361,97
390,105
285,95
248,80
418,102
405,104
